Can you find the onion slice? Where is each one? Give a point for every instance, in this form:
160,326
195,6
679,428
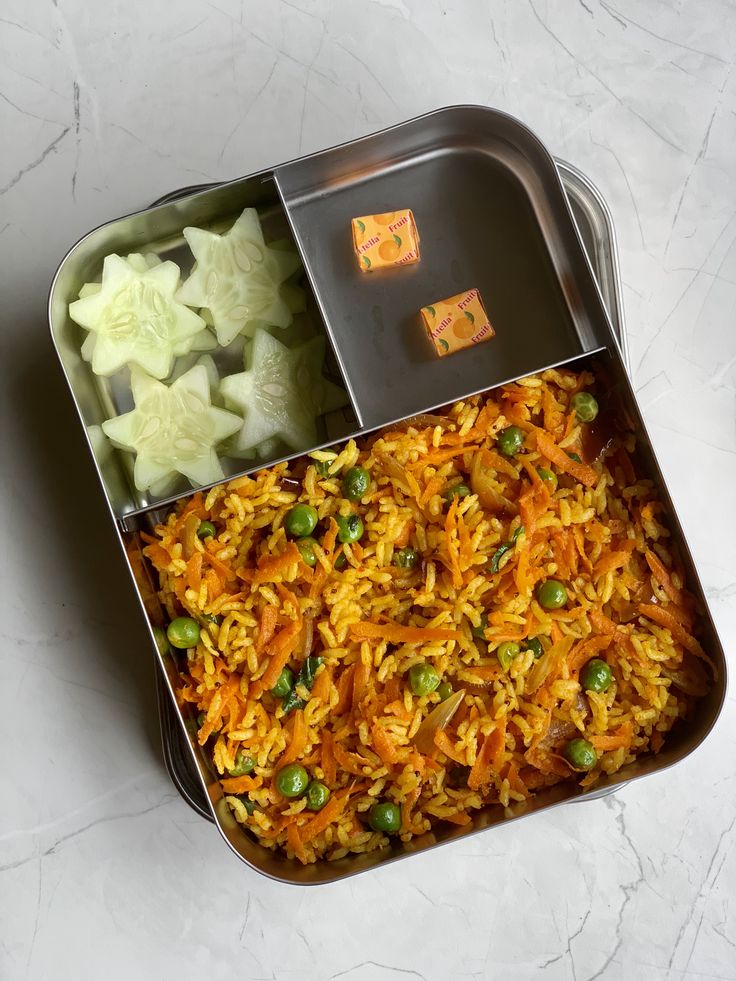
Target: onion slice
439,718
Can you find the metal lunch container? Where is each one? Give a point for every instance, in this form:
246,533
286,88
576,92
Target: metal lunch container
536,238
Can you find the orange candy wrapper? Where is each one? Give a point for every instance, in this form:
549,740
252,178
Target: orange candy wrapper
458,322
384,240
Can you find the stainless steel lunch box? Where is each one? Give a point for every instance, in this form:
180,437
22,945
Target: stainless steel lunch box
536,239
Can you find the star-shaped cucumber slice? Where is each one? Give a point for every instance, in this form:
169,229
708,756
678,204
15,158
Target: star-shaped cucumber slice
134,317
173,429
282,393
238,278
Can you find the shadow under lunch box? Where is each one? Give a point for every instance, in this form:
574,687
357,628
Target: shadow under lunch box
537,240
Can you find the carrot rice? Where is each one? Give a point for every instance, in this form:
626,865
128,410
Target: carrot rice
600,530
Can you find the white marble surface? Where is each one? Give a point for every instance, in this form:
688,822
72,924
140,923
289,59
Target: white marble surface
106,872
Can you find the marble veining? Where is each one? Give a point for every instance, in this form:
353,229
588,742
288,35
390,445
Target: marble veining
104,871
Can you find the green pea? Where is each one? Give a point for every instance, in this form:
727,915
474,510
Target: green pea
244,765
301,520
548,477
423,679
444,690
247,803
580,754
406,558
479,632
306,550
317,795
162,642
349,527
206,530
355,483
340,560
201,719
183,632
385,816
322,467
510,440
534,644
457,490
551,594
292,780
596,676
506,652
284,683
585,406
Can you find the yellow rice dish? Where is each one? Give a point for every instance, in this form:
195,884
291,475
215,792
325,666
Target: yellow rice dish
456,612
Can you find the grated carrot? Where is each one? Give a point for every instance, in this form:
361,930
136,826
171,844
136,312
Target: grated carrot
281,647
267,626
408,805
384,745
436,457
489,760
586,649
329,813
295,842
158,555
433,486
217,706
515,782
271,568
348,761
194,572
298,742
223,571
445,745
601,622
323,684
344,690
612,561
402,539
620,738
240,785
662,576
580,471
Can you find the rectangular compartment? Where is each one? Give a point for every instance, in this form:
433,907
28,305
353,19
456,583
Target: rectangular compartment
159,230
682,740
